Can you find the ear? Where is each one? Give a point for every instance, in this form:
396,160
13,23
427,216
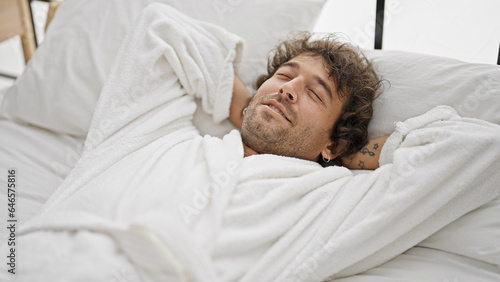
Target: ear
332,151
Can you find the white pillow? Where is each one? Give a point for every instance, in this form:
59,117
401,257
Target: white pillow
62,82
416,83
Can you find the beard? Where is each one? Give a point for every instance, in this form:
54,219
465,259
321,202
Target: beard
264,133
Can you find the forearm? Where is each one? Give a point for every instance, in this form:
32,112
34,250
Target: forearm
240,100
368,157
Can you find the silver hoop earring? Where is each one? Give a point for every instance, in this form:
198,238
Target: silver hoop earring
326,160
245,111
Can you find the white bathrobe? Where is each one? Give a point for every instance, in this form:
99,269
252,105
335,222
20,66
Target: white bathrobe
151,198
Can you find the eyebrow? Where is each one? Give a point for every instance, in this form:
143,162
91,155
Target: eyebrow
321,82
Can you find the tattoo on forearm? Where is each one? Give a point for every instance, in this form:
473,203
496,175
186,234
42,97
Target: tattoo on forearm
361,164
366,151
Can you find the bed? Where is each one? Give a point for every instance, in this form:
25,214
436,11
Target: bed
46,115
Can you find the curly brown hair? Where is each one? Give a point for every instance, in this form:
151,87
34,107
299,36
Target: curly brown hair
354,76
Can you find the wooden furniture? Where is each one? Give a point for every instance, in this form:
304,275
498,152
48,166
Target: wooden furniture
15,19
53,5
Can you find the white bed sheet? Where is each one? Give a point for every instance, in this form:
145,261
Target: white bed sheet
425,264
41,158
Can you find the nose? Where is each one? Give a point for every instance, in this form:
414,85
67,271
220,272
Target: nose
288,91
289,95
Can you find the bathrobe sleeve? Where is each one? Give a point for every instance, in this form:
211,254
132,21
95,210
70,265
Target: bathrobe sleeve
166,61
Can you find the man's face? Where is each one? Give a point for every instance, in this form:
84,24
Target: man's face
293,112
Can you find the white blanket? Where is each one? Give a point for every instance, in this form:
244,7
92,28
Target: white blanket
182,207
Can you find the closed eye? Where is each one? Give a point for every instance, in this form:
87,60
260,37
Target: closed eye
283,75
316,95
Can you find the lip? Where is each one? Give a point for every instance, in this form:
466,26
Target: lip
279,107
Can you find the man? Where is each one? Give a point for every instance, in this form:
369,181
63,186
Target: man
153,196
307,107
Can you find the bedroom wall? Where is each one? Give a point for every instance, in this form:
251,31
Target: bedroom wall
465,29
